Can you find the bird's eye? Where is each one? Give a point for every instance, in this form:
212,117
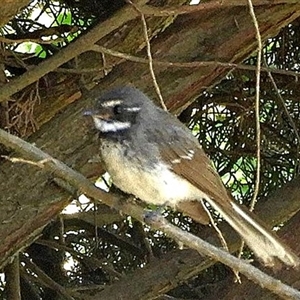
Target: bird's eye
117,109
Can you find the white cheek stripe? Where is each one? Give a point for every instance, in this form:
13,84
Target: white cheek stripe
113,126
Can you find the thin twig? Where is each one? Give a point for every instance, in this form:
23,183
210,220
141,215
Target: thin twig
32,40
289,118
149,54
257,114
215,226
39,164
257,107
92,261
220,236
193,64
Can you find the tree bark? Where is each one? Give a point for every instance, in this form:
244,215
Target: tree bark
10,8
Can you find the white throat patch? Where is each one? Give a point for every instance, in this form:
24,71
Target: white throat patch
113,126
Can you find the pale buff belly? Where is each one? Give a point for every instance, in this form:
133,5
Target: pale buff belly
160,187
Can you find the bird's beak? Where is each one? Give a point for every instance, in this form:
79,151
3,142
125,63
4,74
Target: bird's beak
96,114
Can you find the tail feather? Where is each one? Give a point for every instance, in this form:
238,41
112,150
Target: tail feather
260,240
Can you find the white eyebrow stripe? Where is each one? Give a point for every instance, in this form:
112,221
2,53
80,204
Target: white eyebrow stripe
112,103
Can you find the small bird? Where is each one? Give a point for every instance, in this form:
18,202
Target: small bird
150,154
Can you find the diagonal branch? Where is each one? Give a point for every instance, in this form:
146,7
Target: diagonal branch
187,9
74,49
82,184
46,280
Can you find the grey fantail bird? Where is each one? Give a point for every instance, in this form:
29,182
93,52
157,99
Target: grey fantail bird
151,155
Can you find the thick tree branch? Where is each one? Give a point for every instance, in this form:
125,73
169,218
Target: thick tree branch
82,184
187,9
12,279
180,265
10,8
252,273
79,46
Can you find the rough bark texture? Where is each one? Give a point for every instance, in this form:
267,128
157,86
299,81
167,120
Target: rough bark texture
10,8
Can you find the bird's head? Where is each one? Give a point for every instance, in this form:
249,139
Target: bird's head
118,110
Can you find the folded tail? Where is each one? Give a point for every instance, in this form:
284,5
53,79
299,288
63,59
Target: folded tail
260,240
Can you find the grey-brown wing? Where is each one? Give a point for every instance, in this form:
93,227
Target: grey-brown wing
186,158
